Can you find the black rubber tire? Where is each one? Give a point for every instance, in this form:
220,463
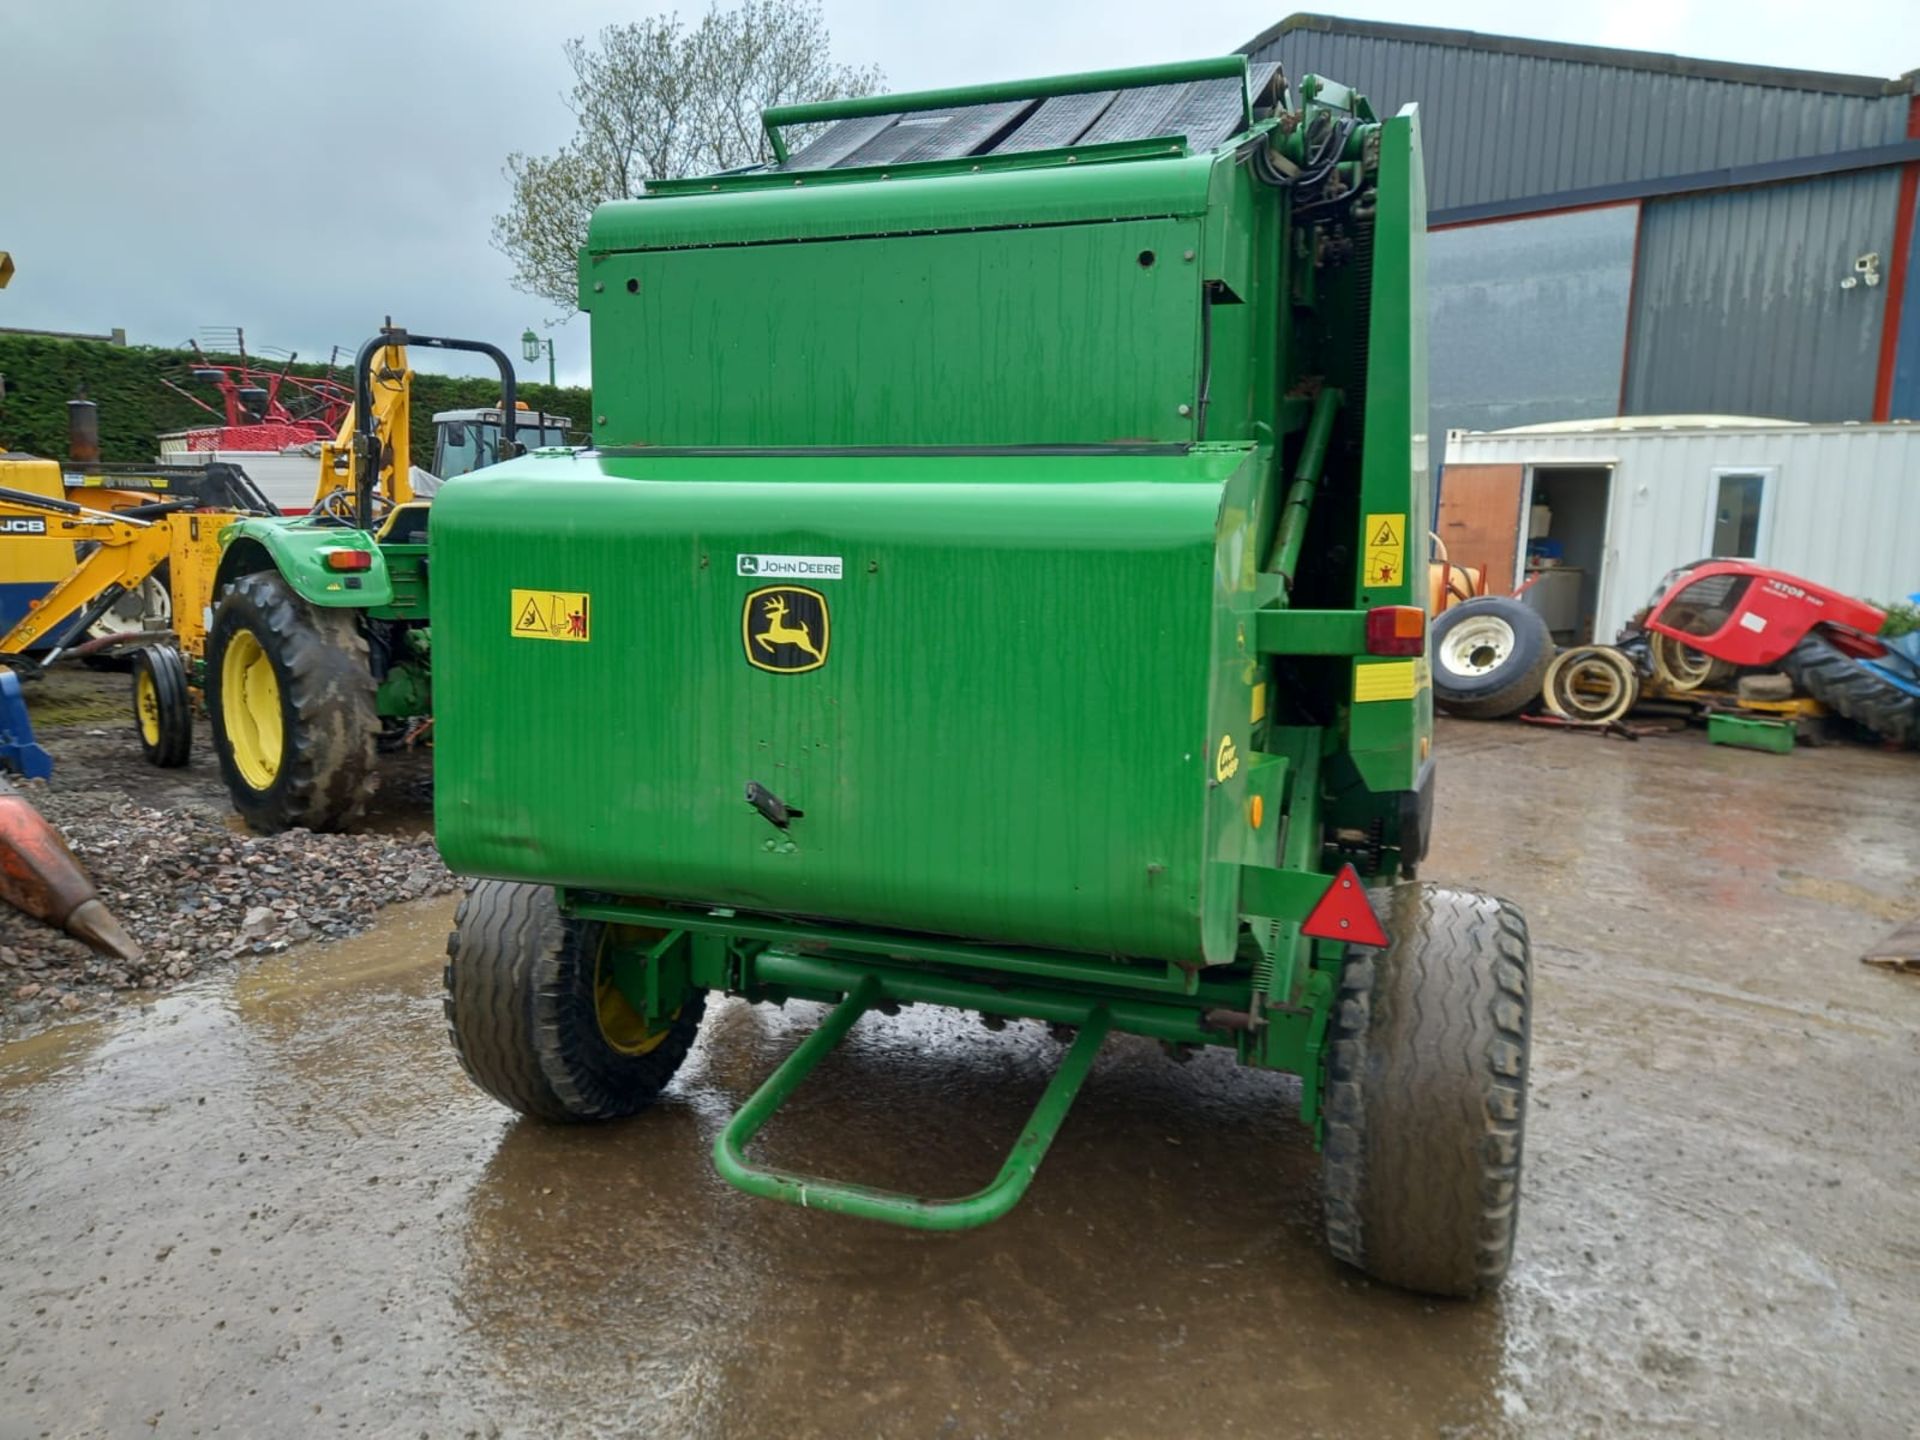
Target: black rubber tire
1510,686
521,1013
171,743
1426,1098
328,716
1848,688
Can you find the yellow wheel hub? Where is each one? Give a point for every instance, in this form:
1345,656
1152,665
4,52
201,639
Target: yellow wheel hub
250,710
146,706
621,1026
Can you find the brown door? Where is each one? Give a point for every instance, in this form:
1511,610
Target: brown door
1480,519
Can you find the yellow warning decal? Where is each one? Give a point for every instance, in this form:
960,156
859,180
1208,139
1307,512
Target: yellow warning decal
1385,680
551,615
1259,706
1386,550
1226,760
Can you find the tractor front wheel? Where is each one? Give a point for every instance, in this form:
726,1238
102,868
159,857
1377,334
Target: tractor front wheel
162,706
292,703
535,1015
1426,1099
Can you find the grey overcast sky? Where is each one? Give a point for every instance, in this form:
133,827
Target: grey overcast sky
305,171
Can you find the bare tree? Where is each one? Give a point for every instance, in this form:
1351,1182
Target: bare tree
656,100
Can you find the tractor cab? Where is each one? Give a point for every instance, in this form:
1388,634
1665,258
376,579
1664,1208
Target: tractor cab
467,440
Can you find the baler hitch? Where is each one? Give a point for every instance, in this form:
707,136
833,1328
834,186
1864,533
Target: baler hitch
810,1192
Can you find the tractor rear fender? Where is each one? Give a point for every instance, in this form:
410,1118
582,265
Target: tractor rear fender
298,551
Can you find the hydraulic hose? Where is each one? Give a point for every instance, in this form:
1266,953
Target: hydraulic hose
1306,481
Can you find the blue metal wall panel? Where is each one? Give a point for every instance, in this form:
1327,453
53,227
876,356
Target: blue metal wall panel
1739,306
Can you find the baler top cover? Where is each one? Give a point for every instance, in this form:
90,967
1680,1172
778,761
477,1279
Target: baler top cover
1200,112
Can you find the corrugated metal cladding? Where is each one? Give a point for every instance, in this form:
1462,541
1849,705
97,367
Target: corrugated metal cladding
1842,505
1528,319
1505,119
1740,309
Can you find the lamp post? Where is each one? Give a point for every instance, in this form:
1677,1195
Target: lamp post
530,345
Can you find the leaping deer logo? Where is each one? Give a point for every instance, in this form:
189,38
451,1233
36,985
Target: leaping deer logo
779,632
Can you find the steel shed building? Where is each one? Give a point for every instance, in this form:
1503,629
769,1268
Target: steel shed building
1628,500
1619,232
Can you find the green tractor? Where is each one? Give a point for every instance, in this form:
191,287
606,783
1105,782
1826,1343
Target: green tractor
319,643
998,583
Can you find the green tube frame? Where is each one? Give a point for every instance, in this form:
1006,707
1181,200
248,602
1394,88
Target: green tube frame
982,1207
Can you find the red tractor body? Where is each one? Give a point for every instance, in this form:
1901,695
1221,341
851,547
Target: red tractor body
1747,615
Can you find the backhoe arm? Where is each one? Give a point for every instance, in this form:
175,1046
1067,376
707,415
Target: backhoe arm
341,460
129,551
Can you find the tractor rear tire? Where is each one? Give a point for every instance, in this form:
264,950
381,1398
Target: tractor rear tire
535,1021
1426,1098
1490,657
292,702
1849,688
162,706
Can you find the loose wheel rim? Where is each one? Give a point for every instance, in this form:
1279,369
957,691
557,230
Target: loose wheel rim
148,606
250,710
1679,664
1476,646
1590,684
1590,688
146,705
621,1026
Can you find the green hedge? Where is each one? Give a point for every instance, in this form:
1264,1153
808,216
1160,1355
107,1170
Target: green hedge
43,374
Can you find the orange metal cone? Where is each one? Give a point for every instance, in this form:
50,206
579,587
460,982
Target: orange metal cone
38,875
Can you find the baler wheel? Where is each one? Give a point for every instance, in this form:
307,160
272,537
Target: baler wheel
535,1020
292,702
1426,1098
162,706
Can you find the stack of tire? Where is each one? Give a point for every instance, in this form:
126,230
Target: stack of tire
1489,657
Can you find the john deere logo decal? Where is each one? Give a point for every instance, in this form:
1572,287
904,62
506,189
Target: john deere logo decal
785,629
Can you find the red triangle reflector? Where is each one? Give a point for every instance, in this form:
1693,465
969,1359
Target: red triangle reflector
1344,914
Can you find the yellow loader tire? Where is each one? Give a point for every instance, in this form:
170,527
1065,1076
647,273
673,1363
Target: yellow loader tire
162,706
291,698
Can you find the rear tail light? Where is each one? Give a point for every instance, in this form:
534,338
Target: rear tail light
1397,630
349,559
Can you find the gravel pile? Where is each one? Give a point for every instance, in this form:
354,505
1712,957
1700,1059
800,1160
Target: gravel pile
195,893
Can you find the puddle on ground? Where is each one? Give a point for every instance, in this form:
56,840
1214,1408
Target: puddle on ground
272,1202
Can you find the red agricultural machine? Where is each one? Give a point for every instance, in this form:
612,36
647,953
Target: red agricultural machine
1723,637
1716,619
262,408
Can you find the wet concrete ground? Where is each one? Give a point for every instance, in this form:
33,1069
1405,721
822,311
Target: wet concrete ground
271,1204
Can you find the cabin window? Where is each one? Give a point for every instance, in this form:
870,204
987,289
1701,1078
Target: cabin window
1735,528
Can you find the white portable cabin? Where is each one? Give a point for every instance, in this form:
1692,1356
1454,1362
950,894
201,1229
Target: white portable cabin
1613,505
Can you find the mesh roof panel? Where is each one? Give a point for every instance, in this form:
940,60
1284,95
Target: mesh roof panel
1205,111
